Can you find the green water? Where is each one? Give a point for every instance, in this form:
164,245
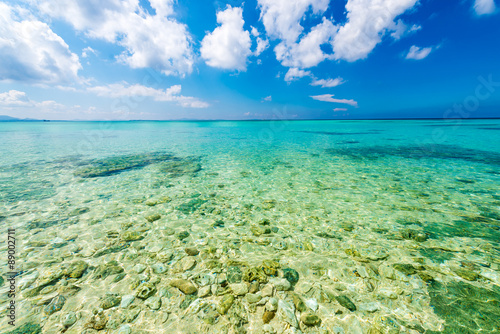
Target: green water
391,226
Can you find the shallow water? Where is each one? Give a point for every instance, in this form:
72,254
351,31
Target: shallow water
391,226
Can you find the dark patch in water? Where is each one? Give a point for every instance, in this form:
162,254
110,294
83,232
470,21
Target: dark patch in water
349,142
22,188
427,151
113,165
339,133
469,227
191,206
27,328
489,129
436,255
465,307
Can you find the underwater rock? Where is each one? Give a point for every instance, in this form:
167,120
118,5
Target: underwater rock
298,302
254,274
224,305
466,274
239,289
153,303
114,165
310,319
280,284
234,274
69,319
153,217
187,263
110,300
191,251
253,298
270,267
286,310
414,235
182,235
291,275
259,230
184,285
55,305
204,291
27,328
405,268
346,302
268,316
126,301
110,268
76,269
132,236
159,268
267,290
191,206
145,290
97,321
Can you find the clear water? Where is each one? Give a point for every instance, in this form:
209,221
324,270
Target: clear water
401,217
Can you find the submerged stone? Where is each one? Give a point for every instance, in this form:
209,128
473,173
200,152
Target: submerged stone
117,164
291,275
346,302
77,268
27,328
55,305
145,290
184,285
153,218
405,268
310,319
225,303
191,206
254,274
109,301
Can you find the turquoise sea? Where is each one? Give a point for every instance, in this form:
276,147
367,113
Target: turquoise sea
252,227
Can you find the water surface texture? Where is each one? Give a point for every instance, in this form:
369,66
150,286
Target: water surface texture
252,227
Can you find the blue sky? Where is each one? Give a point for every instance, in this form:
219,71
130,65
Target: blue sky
254,59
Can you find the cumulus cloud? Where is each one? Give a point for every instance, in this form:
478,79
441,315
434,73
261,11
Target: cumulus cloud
483,7
228,46
171,94
401,29
329,98
307,52
282,18
31,52
417,53
327,83
14,99
295,73
367,22
157,41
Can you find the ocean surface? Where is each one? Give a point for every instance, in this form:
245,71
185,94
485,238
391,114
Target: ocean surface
251,227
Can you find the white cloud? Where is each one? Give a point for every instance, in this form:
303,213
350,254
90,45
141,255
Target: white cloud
156,41
327,83
171,94
31,52
228,46
262,44
88,50
14,99
417,53
267,99
483,7
295,73
282,18
307,52
329,98
339,109
401,29
367,22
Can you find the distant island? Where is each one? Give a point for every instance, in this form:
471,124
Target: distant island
5,118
